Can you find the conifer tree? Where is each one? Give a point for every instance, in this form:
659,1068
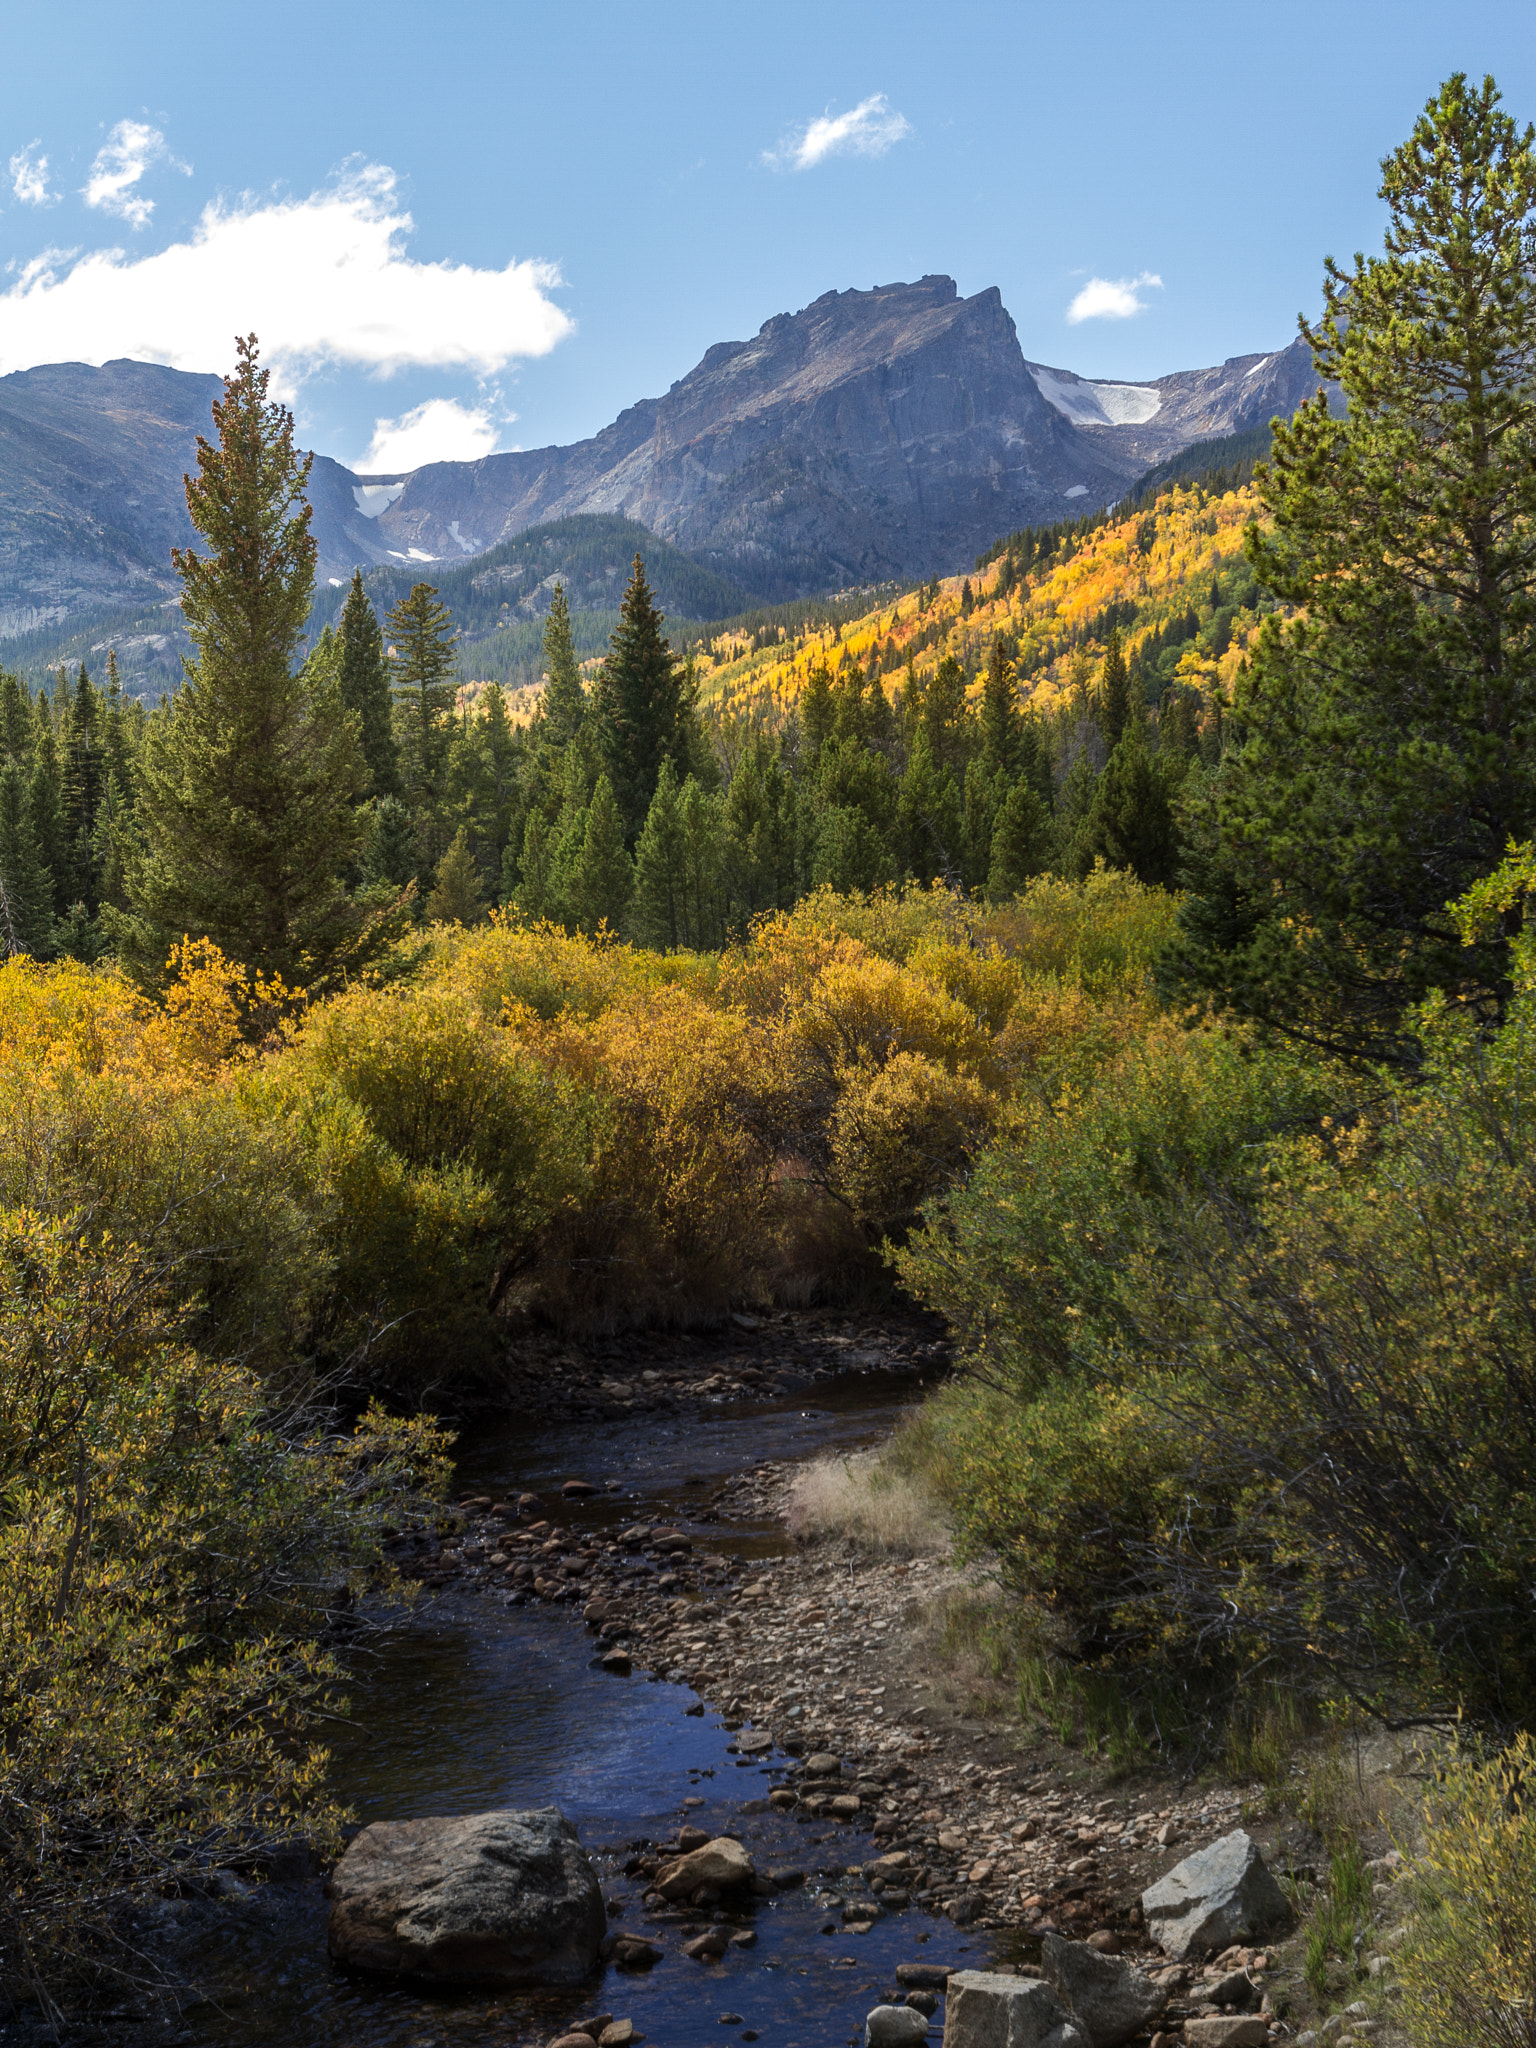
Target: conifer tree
659,914
564,704
602,877
26,887
1384,743
818,714
1022,841
364,679
422,670
1114,693
702,816
637,704
1130,823
249,778
456,896
1001,733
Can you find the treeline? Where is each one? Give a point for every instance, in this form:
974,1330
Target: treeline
622,804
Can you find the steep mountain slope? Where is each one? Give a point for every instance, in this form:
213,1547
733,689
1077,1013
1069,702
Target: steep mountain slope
874,434
1171,578
1143,423
91,496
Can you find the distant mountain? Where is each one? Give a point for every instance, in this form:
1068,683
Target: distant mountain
874,436
1145,423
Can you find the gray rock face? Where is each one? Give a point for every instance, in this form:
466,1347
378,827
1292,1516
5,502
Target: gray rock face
1145,423
1218,1896
872,434
483,1898
895,2026
1110,1996
982,2010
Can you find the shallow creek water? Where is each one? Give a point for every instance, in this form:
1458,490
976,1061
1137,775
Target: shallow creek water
475,1705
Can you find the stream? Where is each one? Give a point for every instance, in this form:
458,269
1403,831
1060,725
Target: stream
473,1704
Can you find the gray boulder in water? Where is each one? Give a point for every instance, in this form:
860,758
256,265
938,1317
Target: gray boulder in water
500,1898
1218,1896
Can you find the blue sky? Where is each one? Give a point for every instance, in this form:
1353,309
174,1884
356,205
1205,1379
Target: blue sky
493,226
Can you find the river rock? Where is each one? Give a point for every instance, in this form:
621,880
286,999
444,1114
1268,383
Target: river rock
1220,1895
895,2026
633,1952
923,1976
1111,1997
722,1864
503,1898
983,2010
1220,2032
823,1765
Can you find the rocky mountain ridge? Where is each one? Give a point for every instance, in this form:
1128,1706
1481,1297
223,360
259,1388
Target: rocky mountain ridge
873,435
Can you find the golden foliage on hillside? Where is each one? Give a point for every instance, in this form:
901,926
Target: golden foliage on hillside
1155,563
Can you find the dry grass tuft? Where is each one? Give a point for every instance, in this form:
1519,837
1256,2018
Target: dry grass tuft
860,1498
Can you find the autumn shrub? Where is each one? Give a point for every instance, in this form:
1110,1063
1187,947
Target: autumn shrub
901,1133
172,1547
440,1150
1259,1344
128,1114
688,1126
1467,1969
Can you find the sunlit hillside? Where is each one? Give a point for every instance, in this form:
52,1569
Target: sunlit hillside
1171,578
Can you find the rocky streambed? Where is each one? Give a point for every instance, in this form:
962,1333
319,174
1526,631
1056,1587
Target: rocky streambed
619,1625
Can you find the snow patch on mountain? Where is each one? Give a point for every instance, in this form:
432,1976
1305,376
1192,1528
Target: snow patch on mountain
1087,403
372,499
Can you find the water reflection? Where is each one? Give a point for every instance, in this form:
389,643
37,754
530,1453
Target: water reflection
476,1705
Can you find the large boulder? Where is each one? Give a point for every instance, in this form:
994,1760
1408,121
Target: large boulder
480,1898
895,2026
1214,1898
1110,1996
722,1865
983,2010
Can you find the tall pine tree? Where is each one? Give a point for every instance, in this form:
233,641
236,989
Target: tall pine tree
564,703
1383,743
638,704
249,778
364,676
422,664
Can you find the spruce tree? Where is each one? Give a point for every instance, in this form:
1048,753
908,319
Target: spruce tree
564,703
26,886
659,913
249,778
702,816
422,665
1382,751
1114,693
364,680
1022,843
818,714
637,704
456,896
1001,725
602,877
1130,823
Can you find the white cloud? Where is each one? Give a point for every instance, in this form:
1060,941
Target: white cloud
323,281
1111,298
870,129
29,176
440,430
120,163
